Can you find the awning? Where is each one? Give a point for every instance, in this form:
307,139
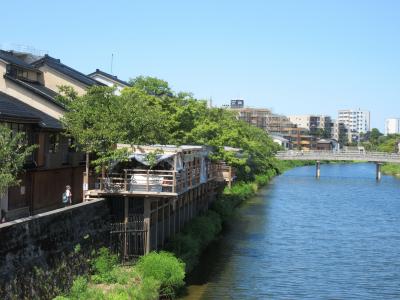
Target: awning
142,158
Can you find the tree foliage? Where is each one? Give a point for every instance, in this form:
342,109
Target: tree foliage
149,112
14,150
376,141
100,119
190,121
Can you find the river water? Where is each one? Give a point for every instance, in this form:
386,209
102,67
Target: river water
337,237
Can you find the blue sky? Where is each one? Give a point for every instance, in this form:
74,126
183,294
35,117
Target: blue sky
295,57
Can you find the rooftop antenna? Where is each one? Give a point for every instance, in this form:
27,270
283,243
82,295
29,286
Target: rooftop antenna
112,61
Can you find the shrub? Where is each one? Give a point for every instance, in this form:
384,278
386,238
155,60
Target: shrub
79,287
186,247
103,266
165,268
147,290
205,228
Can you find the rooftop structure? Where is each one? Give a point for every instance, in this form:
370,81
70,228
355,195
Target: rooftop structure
109,80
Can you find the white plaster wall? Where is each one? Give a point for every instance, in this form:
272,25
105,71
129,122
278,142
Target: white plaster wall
14,90
54,79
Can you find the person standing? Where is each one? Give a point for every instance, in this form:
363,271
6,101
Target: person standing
67,196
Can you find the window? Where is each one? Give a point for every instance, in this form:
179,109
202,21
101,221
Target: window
54,142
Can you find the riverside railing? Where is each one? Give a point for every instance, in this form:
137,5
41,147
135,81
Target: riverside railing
338,155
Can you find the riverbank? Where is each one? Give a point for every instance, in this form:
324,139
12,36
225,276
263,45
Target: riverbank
202,230
391,169
161,273
108,279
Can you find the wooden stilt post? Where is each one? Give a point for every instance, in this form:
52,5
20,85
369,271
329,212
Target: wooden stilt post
147,225
156,245
163,223
126,218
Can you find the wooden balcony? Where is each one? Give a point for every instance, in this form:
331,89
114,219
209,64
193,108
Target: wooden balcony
154,182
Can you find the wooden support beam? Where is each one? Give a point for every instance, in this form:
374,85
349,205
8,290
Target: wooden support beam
163,224
156,247
126,218
147,224
147,180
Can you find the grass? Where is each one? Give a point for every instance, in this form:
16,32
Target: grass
156,274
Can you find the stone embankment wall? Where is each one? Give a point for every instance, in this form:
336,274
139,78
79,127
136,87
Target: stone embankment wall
39,254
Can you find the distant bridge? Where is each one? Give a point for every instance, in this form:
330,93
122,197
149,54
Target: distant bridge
340,155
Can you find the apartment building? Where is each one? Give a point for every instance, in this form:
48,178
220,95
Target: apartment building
262,118
254,116
339,132
356,121
392,126
28,103
316,124
299,138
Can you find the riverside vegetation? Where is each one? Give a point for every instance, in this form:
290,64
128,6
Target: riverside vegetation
389,144
161,274
149,112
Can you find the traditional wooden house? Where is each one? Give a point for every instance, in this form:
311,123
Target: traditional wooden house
28,102
156,192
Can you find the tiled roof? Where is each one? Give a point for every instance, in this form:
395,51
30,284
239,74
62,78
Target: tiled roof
36,88
12,108
12,59
64,69
112,77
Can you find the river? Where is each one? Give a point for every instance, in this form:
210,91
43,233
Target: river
337,237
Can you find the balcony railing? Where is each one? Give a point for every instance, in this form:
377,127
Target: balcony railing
142,181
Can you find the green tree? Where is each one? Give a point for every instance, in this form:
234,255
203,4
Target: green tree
190,121
66,95
152,86
100,119
374,136
13,153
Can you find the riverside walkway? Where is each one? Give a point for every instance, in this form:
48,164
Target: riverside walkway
340,155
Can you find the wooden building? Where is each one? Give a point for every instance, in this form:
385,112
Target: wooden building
156,192
28,102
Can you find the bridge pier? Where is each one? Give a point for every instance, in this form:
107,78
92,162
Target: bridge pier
378,171
318,169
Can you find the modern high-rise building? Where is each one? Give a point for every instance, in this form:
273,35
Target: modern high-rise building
356,121
392,126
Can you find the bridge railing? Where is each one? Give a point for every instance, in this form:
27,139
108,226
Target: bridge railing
339,155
